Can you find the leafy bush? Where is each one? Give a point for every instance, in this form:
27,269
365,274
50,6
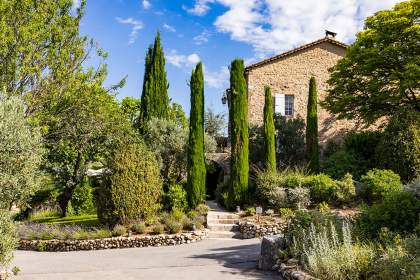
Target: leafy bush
323,207
35,231
132,189
176,198
158,228
399,148
330,255
8,240
399,212
202,209
173,226
286,213
323,188
356,155
21,154
298,198
139,228
377,183
82,199
346,190
250,211
119,230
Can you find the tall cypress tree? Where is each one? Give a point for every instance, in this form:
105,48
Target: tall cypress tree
269,134
196,190
238,118
312,148
154,98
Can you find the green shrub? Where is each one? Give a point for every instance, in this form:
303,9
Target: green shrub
399,148
346,190
119,230
139,228
202,209
176,198
250,211
323,188
377,183
158,228
286,213
332,256
82,199
399,212
100,234
173,226
8,240
42,246
323,207
132,189
196,219
341,163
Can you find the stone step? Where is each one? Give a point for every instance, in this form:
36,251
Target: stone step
222,227
222,221
223,234
219,215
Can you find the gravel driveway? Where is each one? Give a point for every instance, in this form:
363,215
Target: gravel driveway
209,259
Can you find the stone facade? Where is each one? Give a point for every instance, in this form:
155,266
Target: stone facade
250,230
289,74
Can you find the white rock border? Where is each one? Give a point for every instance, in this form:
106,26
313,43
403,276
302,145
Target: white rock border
113,242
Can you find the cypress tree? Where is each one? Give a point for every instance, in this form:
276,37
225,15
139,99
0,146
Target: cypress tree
196,168
269,135
238,118
154,98
312,149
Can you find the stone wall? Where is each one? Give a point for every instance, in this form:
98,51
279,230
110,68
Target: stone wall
290,75
112,243
250,230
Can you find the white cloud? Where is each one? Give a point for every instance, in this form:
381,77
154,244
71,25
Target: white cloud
169,28
202,38
136,25
201,7
182,61
273,26
146,4
218,79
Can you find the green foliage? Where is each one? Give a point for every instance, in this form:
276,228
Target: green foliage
250,211
139,228
175,198
346,190
130,107
286,213
291,139
238,118
269,133
173,221
8,240
154,98
330,255
379,74
312,145
169,141
21,154
214,123
133,187
119,230
356,155
323,188
399,148
196,167
158,228
399,212
377,183
82,199
177,115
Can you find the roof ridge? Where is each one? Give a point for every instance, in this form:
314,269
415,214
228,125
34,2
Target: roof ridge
292,51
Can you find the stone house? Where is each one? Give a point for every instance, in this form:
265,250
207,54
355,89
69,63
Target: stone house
288,76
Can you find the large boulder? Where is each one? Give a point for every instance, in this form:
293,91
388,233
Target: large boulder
270,245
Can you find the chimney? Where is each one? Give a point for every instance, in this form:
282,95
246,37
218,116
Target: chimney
330,34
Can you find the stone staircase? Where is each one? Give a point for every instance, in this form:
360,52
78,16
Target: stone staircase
222,224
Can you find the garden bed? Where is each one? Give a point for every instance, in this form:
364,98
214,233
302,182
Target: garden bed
136,241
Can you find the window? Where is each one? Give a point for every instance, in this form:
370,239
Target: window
288,105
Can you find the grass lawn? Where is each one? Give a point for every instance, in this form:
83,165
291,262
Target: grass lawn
84,220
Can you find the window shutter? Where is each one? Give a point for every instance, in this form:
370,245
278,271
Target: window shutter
280,104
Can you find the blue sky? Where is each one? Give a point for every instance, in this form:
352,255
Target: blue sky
213,31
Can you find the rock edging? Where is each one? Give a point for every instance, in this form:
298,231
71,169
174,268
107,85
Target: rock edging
112,243
250,230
